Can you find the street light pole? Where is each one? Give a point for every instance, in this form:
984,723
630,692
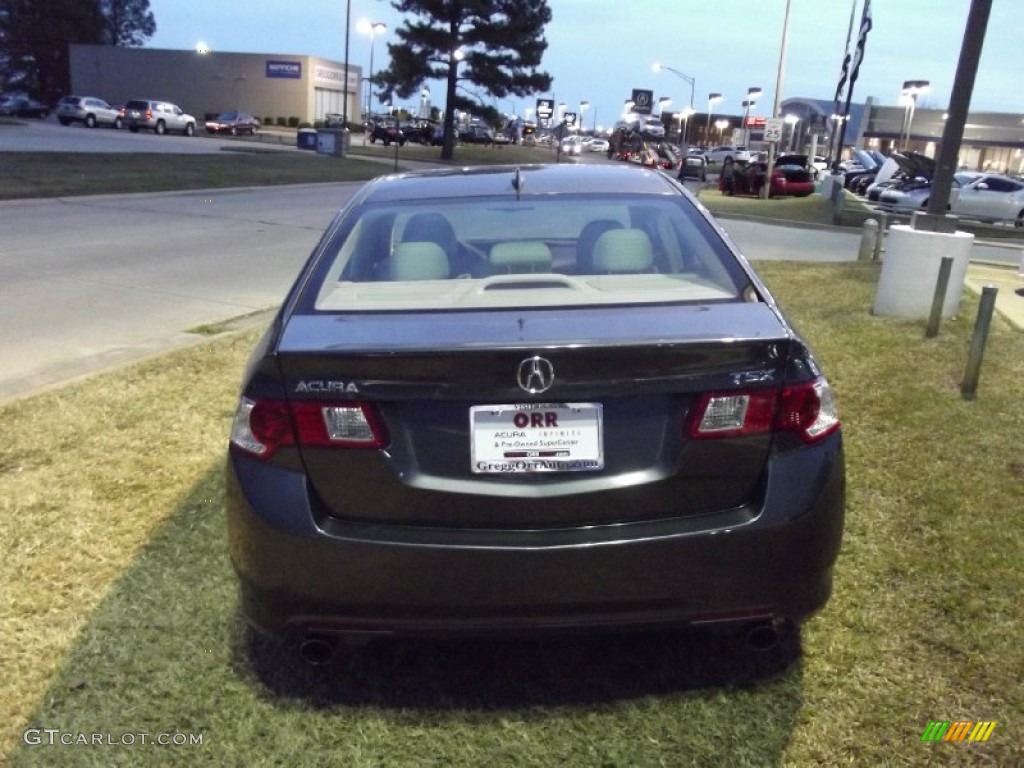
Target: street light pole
371,27
713,98
751,101
911,90
692,81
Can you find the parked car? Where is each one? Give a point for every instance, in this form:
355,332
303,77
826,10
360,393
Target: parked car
476,133
598,144
862,162
719,155
19,106
233,122
158,116
790,178
88,110
526,399
694,167
990,197
904,196
386,130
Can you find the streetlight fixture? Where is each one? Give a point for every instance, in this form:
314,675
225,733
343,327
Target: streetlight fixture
371,28
656,67
911,90
753,94
721,125
683,116
791,120
713,98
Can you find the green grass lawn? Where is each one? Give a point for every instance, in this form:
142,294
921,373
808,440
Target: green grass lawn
118,606
61,174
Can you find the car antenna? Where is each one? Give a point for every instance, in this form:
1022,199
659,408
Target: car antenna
517,182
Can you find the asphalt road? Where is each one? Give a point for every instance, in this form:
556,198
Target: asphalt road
91,282
50,136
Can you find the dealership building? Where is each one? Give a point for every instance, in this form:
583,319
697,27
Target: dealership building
207,82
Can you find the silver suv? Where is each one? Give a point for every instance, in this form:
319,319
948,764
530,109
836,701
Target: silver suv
88,110
719,155
158,116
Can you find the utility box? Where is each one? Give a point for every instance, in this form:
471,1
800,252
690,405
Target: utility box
306,138
332,141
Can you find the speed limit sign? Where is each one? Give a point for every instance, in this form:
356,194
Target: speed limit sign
773,129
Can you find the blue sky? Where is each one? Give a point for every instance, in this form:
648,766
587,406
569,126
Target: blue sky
599,50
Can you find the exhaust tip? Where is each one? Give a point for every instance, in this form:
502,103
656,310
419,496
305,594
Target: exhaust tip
316,651
763,637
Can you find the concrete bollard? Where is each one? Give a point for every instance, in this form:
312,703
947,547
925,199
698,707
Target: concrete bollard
986,307
868,240
883,225
838,198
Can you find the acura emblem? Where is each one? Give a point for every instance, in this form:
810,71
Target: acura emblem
535,375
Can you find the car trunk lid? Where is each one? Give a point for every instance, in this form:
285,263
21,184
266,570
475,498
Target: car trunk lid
447,402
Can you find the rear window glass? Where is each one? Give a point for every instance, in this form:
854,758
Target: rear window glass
556,251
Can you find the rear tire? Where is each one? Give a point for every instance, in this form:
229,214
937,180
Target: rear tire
117,123
190,129
160,128
90,121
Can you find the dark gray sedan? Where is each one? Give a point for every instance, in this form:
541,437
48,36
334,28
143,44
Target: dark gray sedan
519,400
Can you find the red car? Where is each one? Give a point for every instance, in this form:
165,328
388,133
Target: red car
790,178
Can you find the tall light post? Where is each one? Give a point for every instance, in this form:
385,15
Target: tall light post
371,28
683,116
656,67
791,120
713,98
721,125
753,94
911,90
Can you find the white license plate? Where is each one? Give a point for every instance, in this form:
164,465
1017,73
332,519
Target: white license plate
536,437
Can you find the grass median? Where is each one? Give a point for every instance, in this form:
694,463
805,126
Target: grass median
117,600
66,174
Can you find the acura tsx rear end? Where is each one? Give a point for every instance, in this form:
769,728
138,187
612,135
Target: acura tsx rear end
519,400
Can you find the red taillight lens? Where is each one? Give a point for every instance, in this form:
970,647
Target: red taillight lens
149,114
808,409
261,427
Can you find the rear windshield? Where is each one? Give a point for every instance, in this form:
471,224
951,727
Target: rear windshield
553,251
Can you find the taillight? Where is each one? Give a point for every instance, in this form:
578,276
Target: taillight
807,409
261,427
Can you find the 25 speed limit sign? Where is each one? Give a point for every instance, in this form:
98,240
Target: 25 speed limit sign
773,129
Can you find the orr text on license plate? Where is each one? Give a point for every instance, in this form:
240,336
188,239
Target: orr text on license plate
536,437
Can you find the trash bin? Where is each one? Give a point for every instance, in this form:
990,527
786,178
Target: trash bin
332,141
306,138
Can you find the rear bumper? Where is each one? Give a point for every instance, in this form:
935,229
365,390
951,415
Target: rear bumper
298,575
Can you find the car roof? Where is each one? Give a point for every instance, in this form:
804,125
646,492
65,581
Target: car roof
534,180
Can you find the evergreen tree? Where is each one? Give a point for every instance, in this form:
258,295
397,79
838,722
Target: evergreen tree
127,23
496,45
35,36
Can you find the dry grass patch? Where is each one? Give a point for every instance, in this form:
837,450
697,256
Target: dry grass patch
87,473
